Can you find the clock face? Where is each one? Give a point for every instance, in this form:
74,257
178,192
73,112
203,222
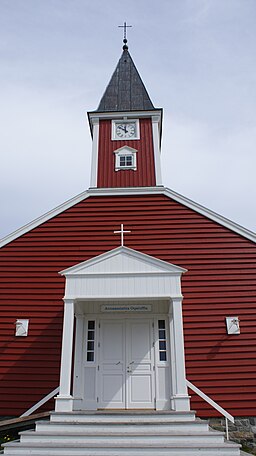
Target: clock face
126,130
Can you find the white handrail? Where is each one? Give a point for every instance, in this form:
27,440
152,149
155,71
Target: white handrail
41,402
213,404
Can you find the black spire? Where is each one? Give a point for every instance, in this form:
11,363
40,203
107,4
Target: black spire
125,91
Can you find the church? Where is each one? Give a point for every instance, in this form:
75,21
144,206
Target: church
128,302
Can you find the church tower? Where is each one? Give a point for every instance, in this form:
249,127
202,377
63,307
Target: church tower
126,132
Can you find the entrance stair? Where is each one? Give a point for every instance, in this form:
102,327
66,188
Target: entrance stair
135,433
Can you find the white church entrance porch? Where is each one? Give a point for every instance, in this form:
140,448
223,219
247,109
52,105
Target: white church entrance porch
129,349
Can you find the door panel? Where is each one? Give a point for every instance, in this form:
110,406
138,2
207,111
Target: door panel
140,366
127,377
112,378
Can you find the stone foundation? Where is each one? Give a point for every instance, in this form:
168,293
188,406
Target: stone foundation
243,431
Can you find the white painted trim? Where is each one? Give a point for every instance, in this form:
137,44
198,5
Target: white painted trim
210,401
124,151
156,147
131,191
114,137
64,401
180,398
44,218
124,115
41,402
95,151
166,266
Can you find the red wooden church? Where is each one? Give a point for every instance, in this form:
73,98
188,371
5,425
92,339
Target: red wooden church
129,290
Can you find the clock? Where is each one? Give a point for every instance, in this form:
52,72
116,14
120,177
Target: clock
125,129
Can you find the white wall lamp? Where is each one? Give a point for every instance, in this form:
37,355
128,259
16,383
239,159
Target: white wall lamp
233,325
21,328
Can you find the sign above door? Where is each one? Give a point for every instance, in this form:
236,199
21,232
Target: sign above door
126,308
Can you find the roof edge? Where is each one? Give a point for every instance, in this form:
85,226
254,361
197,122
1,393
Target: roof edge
233,226
131,252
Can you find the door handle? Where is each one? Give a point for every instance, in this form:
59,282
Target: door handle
119,362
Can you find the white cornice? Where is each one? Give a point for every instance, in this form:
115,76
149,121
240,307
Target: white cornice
124,114
132,191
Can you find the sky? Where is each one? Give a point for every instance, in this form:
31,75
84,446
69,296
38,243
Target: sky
197,60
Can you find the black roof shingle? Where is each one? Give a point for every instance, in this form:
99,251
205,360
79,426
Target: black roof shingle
125,91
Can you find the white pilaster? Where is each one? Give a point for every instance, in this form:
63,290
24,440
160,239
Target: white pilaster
180,398
78,361
95,149
156,143
64,400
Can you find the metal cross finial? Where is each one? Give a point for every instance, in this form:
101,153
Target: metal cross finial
122,231
125,26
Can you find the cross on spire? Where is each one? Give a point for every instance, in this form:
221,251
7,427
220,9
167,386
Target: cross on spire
125,26
122,231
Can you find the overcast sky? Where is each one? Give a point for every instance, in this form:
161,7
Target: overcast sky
197,60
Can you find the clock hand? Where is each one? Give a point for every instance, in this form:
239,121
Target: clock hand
120,127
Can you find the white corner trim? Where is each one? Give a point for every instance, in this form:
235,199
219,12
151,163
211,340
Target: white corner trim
95,148
156,147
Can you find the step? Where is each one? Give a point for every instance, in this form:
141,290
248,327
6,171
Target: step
184,449
133,417
126,428
116,439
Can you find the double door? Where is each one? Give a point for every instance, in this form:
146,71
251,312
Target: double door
126,377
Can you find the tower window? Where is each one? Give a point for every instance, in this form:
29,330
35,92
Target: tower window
125,158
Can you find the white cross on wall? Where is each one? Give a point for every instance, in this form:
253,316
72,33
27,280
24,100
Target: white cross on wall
122,231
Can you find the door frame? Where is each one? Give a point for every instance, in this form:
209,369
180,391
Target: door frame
86,377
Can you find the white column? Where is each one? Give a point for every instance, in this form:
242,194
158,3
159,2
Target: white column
180,398
64,400
95,147
156,143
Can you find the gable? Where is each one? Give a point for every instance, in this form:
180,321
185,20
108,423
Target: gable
123,260
123,273
133,192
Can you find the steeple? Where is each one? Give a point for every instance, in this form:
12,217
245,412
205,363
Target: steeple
126,132
125,91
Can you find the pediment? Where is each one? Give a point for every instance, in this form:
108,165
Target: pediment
123,260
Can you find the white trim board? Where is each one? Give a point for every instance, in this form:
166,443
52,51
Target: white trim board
131,191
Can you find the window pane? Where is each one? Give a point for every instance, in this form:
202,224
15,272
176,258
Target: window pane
90,346
161,324
90,335
122,161
90,356
162,356
162,345
161,334
129,160
91,324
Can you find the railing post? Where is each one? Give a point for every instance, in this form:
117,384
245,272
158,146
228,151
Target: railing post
227,433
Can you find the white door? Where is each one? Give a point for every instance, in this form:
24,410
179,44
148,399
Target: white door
126,370
112,378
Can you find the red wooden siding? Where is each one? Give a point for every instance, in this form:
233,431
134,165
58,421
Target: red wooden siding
220,282
144,176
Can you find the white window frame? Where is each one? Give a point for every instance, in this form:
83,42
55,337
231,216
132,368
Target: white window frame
124,152
113,129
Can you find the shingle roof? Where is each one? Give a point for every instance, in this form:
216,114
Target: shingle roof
125,91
